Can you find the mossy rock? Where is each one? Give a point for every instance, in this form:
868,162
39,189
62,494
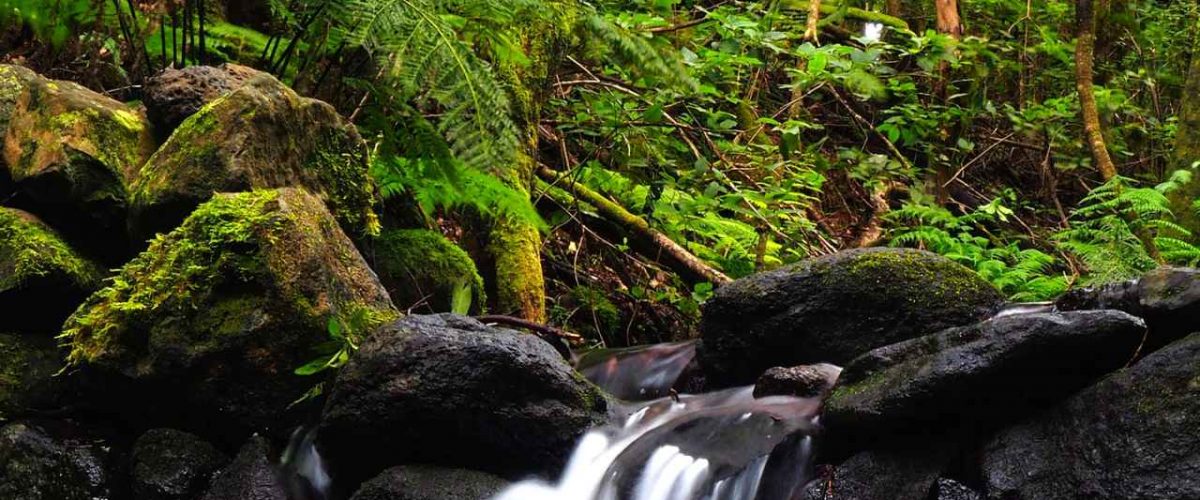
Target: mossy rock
42,279
27,382
68,156
260,136
214,317
833,308
424,271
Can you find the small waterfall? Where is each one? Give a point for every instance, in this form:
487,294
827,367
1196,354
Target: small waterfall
723,445
303,471
637,373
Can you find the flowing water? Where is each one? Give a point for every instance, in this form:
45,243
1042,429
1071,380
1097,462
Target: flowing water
723,445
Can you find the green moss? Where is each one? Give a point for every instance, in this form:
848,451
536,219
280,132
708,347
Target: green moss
415,262
926,280
30,250
340,168
520,286
177,271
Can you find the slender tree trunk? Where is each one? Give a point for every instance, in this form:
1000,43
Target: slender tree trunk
1085,39
814,16
948,23
1187,144
894,8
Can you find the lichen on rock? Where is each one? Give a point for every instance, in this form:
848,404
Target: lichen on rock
260,136
229,304
69,153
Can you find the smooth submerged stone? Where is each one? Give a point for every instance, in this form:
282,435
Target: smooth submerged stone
967,378
1134,434
804,381
448,390
206,327
833,308
422,482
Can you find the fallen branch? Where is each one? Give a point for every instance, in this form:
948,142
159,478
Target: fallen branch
690,267
557,337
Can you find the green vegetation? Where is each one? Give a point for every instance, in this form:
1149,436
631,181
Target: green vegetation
30,250
649,147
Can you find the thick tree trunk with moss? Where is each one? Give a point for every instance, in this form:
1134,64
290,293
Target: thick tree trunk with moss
1187,145
1085,40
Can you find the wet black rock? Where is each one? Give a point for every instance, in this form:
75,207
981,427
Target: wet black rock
448,390
38,462
967,378
251,476
28,364
1168,298
833,308
420,482
949,489
804,381
881,475
173,465
1135,434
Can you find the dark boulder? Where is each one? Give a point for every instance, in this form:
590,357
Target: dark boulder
908,474
448,390
806,381
55,462
967,378
1168,298
949,489
42,279
175,94
421,482
833,308
1135,434
205,329
263,135
28,364
173,465
251,476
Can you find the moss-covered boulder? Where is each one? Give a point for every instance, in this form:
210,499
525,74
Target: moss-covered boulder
42,279
27,382
68,155
173,95
262,135
214,317
833,308
423,271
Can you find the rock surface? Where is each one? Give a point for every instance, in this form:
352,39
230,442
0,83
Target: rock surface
251,476
1168,298
806,381
68,156
173,465
961,378
423,270
833,308
175,94
880,475
28,364
36,464
42,279
1135,434
420,482
262,135
210,322
449,390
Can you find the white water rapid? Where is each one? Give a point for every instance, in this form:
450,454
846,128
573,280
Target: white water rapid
724,445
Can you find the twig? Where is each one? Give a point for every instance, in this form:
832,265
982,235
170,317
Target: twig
540,329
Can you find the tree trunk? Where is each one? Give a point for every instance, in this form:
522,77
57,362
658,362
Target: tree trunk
948,23
948,20
814,16
1187,145
1085,39
894,8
